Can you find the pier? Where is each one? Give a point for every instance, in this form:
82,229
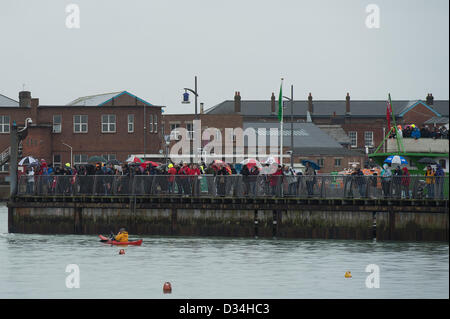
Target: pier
329,218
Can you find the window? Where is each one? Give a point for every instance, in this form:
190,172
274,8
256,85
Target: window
56,160
109,157
80,159
57,123
443,163
353,139
337,162
130,123
189,131
151,123
108,123
368,139
4,168
156,123
320,162
174,132
4,124
80,123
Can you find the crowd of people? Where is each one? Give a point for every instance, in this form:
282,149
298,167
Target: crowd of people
187,179
413,131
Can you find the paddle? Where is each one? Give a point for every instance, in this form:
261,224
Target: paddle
111,237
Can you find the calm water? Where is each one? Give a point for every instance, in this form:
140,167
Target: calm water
33,266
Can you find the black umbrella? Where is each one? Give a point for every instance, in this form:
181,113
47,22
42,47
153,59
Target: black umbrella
313,164
114,162
96,159
426,160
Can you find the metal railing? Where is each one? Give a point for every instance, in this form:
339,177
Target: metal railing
317,186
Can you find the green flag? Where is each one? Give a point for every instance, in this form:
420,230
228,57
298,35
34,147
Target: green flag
280,103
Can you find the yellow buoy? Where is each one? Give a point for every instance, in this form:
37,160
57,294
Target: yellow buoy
348,274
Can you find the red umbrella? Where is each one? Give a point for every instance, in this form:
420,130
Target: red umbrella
250,162
149,163
134,159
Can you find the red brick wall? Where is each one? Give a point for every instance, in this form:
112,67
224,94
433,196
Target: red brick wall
41,142
418,115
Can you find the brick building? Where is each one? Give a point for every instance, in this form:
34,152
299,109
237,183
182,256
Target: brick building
363,121
114,125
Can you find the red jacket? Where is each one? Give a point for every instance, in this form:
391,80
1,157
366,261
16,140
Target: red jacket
172,172
275,178
194,171
184,170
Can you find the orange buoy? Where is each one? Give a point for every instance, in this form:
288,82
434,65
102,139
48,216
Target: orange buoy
167,288
348,274
122,252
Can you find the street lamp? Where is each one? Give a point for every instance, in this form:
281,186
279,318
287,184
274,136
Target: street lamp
186,101
186,96
292,123
70,153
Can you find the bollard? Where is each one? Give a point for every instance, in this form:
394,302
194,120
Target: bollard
167,288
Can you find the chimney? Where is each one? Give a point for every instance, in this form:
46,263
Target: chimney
347,104
24,99
34,109
237,102
202,108
430,99
310,104
272,103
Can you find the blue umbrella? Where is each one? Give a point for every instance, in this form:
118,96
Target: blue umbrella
396,159
313,164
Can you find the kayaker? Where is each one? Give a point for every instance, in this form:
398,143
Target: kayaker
122,236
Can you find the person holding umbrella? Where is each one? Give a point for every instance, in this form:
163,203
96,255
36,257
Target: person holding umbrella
309,173
439,175
386,179
429,180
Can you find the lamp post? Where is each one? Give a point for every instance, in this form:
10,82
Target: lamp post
292,123
70,153
195,92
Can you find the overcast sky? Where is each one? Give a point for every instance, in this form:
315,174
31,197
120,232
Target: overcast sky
154,48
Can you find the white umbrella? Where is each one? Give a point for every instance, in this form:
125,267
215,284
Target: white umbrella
28,160
271,160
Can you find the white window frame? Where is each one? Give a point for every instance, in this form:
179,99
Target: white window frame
155,122
56,164
109,123
151,123
189,131
174,133
130,116
321,162
4,168
340,162
57,126
371,138
78,159
80,124
351,139
5,125
109,157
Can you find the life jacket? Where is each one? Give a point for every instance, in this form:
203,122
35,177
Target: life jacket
122,237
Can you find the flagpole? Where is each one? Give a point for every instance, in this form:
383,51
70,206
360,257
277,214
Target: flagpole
281,122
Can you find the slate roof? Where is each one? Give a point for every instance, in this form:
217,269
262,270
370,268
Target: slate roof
367,108
100,99
305,134
8,102
336,132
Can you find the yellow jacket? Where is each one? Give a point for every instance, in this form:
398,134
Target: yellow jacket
122,236
430,176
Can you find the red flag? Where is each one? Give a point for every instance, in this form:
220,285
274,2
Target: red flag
388,114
